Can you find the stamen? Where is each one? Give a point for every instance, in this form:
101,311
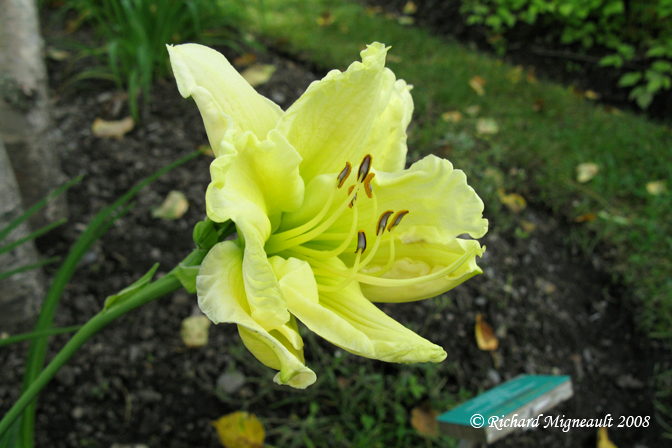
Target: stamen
364,168
276,246
361,242
397,219
284,236
390,261
352,187
351,273
343,175
382,221
367,184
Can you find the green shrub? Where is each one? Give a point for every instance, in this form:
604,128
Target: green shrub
637,32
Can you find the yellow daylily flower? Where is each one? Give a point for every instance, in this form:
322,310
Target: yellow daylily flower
328,219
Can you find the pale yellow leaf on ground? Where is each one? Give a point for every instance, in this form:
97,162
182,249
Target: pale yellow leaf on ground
603,439
478,85
485,337
544,285
174,206
487,126
452,116
112,129
591,95
56,54
513,201
423,420
240,430
657,187
410,8
472,111
494,175
586,171
258,74
405,20
194,331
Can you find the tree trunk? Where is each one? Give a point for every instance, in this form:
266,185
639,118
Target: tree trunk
21,294
24,114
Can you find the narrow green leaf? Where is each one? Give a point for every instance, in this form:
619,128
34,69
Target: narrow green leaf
28,267
36,334
38,205
115,299
32,236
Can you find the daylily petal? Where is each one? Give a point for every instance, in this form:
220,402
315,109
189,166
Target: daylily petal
265,173
387,141
331,122
222,297
299,288
392,342
225,100
252,183
421,251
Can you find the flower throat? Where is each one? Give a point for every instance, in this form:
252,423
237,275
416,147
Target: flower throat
292,243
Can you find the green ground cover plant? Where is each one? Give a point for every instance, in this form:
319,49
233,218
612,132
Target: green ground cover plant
134,33
638,34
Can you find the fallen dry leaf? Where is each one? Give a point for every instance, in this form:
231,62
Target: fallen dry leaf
528,226
325,19
112,129
538,105
612,110
452,116
423,420
591,95
405,20
194,331
245,60
240,430
173,207
487,126
513,201
586,171
472,111
410,8
586,217
485,337
603,439
657,187
258,74
478,85
544,285
393,58
56,54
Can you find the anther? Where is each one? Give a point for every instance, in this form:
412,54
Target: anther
382,222
361,241
343,175
397,219
364,167
367,185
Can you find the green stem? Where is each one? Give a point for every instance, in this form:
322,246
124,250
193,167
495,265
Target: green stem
38,334
159,288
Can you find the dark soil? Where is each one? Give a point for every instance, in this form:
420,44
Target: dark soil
553,311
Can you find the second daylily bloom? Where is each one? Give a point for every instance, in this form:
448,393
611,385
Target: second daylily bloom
328,219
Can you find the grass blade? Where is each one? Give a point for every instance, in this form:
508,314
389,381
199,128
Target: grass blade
33,235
